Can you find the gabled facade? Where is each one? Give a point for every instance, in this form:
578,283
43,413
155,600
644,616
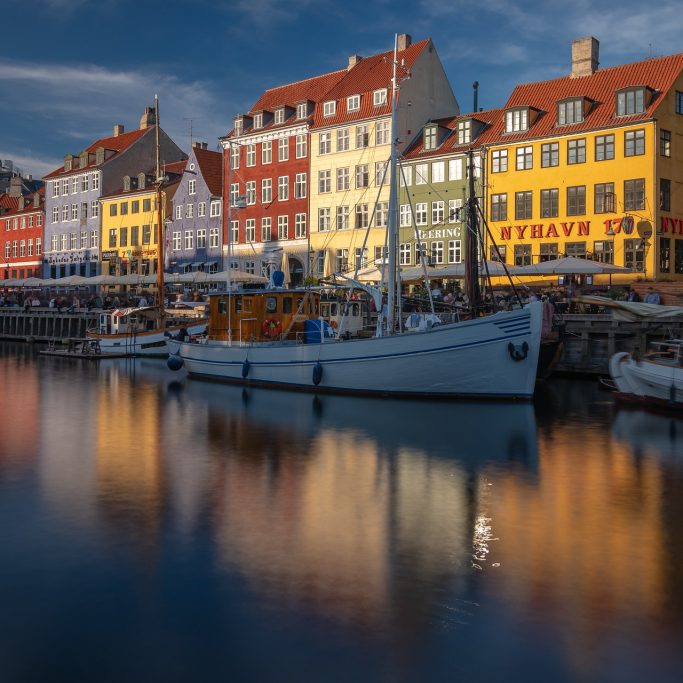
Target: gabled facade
267,179
588,165
351,147
73,191
22,232
194,231
130,221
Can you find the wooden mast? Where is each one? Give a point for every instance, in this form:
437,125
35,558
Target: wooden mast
160,229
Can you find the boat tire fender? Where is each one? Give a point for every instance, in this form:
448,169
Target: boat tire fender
317,373
245,368
174,362
518,353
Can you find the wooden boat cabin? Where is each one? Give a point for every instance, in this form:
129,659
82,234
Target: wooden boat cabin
266,316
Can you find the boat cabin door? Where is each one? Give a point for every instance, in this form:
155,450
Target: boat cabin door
105,323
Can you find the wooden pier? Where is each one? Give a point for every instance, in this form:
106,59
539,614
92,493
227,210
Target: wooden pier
43,324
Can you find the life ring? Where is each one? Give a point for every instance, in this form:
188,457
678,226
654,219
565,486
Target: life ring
333,324
271,328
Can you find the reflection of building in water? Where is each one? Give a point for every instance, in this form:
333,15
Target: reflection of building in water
586,540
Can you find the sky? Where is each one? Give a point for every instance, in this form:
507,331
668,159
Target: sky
71,69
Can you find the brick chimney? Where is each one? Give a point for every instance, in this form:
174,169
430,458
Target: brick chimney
404,42
585,52
118,129
148,118
200,145
15,187
353,60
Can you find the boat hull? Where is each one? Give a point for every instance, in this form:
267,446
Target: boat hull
646,382
150,343
490,357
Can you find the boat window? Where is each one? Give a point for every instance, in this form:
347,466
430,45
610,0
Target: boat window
271,304
324,310
247,304
355,309
287,305
333,309
222,307
298,305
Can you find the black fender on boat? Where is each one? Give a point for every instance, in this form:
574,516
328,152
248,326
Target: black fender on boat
174,362
317,373
518,353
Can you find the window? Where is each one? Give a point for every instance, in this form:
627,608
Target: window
455,210
499,161
523,205
381,255
549,203
189,239
353,103
664,194
201,209
189,208
146,234
522,254
381,214
679,102
634,143
192,187
300,186
250,230
179,211
342,139
283,227
454,251
216,208
238,126
603,251
65,186
266,190
324,181
379,97
15,248
74,184
525,158
234,232
301,110
85,183
570,111
342,260
55,215
135,235
438,213
53,244
300,225
279,115
421,174
30,247
266,152
381,170
283,149
266,229
235,156
362,136
421,213
301,149
124,208
94,240
342,217
516,120
201,238
251,154
405,216
405,175
665,143
135,206
499,207
576,249
250,190
405,254
436,252
634,194
430,137
283,188
146,204
325,143
113,234
604,198
342,179
113,209
362,215
362,176
382,132
324,218
550,154
576,200
548,252
604,147
84,212
631,101
22,247
438,169
576,151
464,132
55,188
65,212
329,108
664,254
214,236
176,243
258,120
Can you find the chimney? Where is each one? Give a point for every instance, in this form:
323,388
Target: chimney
36,200
15,187
200,145
585,52
353,60
148,118
118,129
404,41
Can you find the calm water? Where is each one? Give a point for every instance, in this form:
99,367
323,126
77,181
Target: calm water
156,528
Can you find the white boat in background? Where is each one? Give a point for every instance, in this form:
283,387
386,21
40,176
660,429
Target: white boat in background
656,379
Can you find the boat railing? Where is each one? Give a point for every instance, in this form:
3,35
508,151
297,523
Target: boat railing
419,322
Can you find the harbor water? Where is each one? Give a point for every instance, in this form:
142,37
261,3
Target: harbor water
158,528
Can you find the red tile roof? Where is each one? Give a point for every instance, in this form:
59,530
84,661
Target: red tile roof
366,76
8,203
211,167
28,205
116,143
658,74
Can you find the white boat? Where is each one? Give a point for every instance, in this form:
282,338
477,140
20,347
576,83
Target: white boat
655,379
277,338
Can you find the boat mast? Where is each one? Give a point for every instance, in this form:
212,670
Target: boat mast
393,279
160,234
472,241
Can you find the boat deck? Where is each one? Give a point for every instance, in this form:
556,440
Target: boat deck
81,349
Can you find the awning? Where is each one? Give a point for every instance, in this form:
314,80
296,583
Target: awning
197,264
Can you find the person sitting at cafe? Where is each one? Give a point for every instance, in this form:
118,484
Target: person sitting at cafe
652,297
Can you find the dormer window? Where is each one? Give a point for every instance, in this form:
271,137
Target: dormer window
379,97
141,181
570,111
517,120
353,103
430,138
330,108
68,162
258,120
464,132
280,115
301,110
631,101
239,126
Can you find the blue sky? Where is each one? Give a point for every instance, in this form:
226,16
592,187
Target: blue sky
71,69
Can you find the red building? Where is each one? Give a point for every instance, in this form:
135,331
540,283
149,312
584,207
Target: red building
22,225
266,179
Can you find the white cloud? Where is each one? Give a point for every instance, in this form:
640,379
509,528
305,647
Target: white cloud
36,166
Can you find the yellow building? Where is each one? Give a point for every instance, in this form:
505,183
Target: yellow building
130,226
586,165
350,150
